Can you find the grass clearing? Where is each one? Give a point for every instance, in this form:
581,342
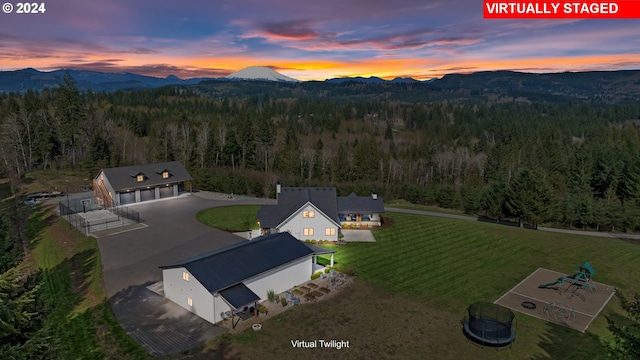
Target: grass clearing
416,281
54,180
230,218
80,320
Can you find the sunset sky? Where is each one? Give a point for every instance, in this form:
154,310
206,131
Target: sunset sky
307,40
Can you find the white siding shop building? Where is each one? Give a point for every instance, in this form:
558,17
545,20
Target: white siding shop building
233,279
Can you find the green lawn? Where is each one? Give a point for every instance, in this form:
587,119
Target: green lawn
230,218
80,322
448,264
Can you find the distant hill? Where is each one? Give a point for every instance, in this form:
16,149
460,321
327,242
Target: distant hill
370,80
606,86
261,73
25,79
600,86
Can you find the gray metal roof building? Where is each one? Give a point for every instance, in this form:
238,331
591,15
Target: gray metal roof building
231,265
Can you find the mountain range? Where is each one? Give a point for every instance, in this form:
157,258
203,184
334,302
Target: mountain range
32,79
606,86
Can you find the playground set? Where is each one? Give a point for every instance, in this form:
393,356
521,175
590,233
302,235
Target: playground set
575,303
578,283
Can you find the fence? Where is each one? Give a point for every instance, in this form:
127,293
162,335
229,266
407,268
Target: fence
80,205
73,218
122,216
126,213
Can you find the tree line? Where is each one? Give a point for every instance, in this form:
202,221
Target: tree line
574,163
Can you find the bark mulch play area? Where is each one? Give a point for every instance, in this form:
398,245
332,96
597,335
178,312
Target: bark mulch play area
561,303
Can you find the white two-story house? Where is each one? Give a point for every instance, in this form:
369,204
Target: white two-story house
316,213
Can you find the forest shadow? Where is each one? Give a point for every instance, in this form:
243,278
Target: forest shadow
505,222
559,342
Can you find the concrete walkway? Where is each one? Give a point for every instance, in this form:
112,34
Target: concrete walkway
358,236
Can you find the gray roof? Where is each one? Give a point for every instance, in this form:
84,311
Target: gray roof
124,178
239,296
360,204
291,199
231,265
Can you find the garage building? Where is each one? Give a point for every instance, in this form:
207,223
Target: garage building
133,184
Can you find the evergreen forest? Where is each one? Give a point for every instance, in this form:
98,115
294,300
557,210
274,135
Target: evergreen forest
531,157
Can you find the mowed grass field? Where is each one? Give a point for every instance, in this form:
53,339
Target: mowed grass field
416,281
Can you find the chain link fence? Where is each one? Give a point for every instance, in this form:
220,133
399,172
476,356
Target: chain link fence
121,216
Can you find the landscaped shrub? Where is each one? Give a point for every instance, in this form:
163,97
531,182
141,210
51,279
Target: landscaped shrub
271,295
283,301
315,275
262,309
313,241
328,269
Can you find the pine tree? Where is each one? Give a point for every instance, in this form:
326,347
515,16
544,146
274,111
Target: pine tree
626,333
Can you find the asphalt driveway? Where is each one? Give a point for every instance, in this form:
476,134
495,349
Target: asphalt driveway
131,262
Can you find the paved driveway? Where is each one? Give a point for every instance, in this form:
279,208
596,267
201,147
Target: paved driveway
131,261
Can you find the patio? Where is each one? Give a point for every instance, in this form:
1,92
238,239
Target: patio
319,289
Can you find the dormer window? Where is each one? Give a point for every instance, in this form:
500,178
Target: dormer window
140,178
165,174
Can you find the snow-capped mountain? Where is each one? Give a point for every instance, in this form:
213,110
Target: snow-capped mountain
259,73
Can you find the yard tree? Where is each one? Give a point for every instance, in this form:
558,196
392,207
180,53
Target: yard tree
626,332
529,197
19,307
492,199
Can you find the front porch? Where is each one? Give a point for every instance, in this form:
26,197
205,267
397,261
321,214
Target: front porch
360,221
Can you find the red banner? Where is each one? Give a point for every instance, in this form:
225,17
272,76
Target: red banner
561,9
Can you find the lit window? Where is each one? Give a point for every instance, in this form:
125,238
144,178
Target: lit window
140,178
330,231
190,301
185,276
308,231
308,214
165,175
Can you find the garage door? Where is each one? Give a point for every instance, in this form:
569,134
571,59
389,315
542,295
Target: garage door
127,198
148,194
166,191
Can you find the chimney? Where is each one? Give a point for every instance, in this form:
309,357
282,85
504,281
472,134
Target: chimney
278,189
374,195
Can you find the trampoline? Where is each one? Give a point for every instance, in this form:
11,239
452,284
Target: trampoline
490,324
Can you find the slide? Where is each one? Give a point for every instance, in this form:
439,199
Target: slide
557,282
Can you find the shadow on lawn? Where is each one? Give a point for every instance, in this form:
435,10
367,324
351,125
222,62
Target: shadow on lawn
505,222
78,324
559,342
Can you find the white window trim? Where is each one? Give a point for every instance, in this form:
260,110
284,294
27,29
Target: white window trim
307,231
185,276
330,231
